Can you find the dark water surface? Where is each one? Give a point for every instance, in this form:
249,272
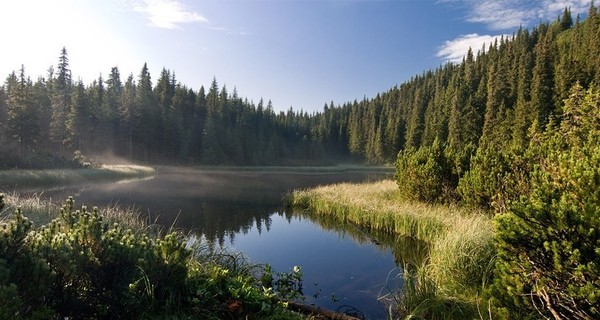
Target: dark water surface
243,210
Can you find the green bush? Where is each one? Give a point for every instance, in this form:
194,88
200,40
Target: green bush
25,279
424,175
549,242
79,266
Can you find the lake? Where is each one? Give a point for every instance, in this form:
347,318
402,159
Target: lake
242,209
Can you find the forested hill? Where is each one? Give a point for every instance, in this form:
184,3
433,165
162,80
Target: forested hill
497,95
493,97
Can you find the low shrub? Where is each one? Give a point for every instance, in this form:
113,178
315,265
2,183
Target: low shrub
80,266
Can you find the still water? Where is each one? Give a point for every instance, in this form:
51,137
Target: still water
344,267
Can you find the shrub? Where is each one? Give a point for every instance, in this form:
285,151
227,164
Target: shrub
423,174
24,277
548,243
79,266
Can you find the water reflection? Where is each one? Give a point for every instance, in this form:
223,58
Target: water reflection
339,271
242,209
407,251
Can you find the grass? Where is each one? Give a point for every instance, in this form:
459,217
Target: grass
42,211
460,253
47,177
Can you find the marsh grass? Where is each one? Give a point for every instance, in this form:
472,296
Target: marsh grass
459,253
41,211
25,178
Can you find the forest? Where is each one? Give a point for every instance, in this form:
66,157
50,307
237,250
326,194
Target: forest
513,130
44,122
496,95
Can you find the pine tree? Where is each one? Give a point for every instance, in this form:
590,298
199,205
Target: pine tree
547,242
130,114
42,106
61,101
542,84
150,116
22,120
3,111
79,118
114,92
98,132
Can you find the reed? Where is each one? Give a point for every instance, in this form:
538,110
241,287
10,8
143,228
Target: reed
460,248
41,211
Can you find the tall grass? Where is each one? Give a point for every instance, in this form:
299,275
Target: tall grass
24,178
460,250
41,211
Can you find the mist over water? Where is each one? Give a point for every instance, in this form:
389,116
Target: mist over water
242,209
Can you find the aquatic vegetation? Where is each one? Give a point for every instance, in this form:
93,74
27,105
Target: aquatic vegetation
460,251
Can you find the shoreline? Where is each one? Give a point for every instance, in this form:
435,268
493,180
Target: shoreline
460,241
18,178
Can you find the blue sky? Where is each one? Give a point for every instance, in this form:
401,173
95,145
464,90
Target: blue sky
299,54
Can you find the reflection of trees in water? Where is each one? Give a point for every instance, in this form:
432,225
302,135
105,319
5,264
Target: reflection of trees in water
408,251
217,204
221,204
220,221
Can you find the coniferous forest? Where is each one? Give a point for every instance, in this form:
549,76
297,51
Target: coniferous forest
513,129
498,95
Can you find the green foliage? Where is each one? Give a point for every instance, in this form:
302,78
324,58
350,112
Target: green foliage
548,256
424,174
496,176
25,279
287,285
80,266
492,99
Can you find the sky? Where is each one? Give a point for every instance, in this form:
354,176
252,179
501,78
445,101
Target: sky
297,53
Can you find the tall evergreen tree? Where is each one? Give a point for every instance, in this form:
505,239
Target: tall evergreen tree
79,118
112,102
149,113
130,114
22,120
61,101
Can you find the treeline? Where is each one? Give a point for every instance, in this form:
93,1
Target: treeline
498,95
50,118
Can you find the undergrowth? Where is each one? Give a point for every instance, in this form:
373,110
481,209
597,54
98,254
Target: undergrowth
82,265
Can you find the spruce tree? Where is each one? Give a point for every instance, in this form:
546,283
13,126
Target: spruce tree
61,102
22,119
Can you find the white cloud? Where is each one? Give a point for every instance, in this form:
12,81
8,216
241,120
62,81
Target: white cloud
510,14
455,50
168,14
504,15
